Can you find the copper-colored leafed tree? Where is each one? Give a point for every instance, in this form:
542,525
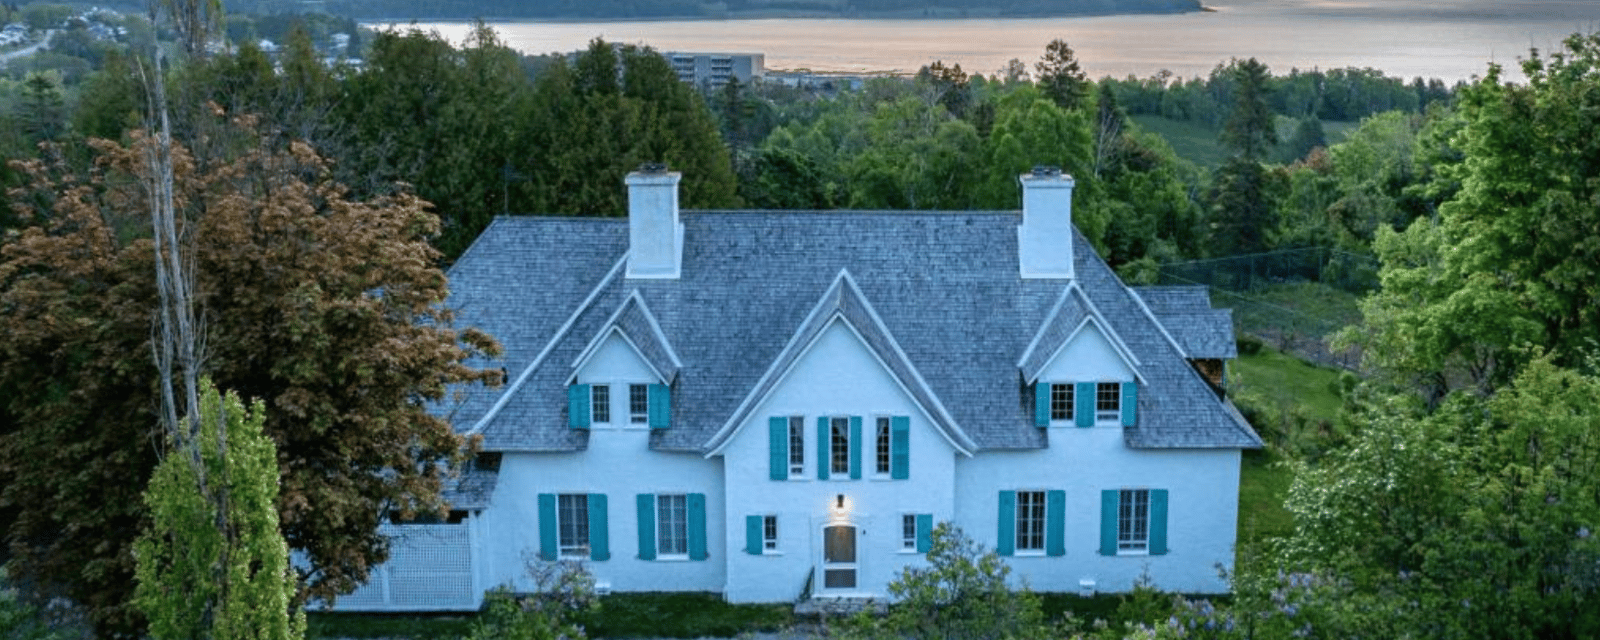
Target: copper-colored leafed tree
325,308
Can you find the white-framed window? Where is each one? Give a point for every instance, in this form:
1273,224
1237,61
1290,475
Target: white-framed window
572,524
638,404
1133,521
769,533
1108,402
1060,402
672,525
908,532
880,454
600,403
797,446
839,447
1030,521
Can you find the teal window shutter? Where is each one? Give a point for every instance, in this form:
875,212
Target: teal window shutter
823,461
778,448
599,538
1108,522
647,526
1083,404
659,400
1055,522
578,406
855,447
697,526
754,541
924,532
547,526
1041,404
1158,522
900,447
1130,403
1008,523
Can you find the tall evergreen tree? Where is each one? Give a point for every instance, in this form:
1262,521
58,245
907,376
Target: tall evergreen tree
1250,131
1059,77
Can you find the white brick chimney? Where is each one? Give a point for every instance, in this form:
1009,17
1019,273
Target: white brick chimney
1044,241
655,236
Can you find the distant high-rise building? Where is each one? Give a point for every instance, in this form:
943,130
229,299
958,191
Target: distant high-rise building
716,69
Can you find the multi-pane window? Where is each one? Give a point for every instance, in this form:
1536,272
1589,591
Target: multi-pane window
672,525
769,533
881,455
908,532
839,445
1133,520
572,521
600,401
1060,402
1030,521
638,403
1108,401
797,446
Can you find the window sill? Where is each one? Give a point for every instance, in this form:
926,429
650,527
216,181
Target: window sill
1135,553
909,552
1029,553
771,552
682,558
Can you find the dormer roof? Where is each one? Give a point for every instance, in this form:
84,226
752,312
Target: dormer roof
1072,314
639,328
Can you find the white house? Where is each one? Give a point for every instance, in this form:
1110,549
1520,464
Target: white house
775,405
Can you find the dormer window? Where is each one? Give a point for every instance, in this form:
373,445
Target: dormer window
600,403
1060,402
638,404
1108,402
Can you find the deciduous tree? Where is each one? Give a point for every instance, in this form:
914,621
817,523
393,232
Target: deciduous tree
323,307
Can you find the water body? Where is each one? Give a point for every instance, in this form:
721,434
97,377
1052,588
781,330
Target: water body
1448,39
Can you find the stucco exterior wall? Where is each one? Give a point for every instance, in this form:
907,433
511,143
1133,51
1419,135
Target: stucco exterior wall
837,376
1203,486
618,464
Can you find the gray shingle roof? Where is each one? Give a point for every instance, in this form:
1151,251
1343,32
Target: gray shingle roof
635,321
843,300
944,287
1202,332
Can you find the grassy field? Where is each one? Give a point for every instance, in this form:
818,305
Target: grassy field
1295,406
1199,144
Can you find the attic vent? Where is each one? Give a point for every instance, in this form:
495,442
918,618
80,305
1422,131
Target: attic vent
487,461
1046,171
653,167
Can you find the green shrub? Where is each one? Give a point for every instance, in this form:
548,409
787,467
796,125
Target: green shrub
962,593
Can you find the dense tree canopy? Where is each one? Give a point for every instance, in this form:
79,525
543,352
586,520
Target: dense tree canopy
1513,258
323,307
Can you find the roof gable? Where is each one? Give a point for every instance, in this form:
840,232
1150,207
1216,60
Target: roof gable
844,302
634,323
1073,313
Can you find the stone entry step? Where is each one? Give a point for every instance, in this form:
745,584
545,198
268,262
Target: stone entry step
834,606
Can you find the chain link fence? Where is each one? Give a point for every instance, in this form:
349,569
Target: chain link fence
1293,299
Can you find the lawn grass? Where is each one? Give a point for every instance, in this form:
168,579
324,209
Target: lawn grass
1295,407
683,615
1263,484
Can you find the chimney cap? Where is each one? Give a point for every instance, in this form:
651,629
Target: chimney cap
1046,171
653,167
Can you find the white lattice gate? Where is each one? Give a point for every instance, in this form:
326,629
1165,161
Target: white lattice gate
430,568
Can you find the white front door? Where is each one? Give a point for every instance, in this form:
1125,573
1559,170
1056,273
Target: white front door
839,557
